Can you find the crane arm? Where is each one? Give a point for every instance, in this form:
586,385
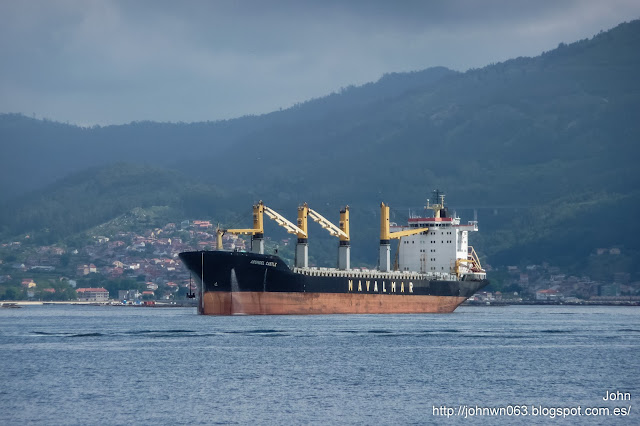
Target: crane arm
407,232
240,231
220,232
258,227
282,221
322,221
385,234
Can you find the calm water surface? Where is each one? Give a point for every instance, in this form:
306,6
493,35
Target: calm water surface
121,365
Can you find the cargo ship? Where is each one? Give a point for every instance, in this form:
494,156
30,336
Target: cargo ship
434,270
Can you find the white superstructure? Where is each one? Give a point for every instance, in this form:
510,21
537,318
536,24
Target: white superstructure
443,248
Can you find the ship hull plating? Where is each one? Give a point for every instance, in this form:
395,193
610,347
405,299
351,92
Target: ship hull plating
254,284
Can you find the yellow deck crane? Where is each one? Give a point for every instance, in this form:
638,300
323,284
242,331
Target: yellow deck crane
470,264
342,232
386,236
257,232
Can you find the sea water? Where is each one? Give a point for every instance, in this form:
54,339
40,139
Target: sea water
483,365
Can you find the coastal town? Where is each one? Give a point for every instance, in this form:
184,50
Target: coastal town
547,284
148,259
143,267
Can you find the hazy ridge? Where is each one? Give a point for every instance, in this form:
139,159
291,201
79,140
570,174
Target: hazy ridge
545,150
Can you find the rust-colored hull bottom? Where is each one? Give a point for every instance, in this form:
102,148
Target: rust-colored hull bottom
276,303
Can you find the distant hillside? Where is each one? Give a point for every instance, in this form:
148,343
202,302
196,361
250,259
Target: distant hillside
544,149
37,152
94,196
557,123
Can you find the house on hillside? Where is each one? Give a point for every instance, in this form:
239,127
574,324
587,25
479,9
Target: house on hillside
28,283
201,224
148,294
549,295
93,294
86,269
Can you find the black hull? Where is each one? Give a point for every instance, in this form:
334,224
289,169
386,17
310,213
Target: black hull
243,272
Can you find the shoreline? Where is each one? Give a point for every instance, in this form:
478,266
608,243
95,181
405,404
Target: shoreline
21,303
544,303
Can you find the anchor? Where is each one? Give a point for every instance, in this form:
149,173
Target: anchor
191,294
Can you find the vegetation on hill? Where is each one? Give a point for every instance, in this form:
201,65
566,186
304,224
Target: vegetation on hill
544,149
97,195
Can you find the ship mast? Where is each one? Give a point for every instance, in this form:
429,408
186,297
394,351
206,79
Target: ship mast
342,232
257,232
438,207
386,235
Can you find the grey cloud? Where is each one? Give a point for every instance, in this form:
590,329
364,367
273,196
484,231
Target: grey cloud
118,61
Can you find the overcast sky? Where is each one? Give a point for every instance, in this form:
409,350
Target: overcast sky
110,62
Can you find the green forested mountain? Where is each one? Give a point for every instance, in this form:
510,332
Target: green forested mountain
544,149
97,195
38,152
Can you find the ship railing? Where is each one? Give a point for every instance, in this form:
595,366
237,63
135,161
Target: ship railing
370,274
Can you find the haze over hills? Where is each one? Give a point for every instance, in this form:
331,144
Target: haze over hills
545,150
68,148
